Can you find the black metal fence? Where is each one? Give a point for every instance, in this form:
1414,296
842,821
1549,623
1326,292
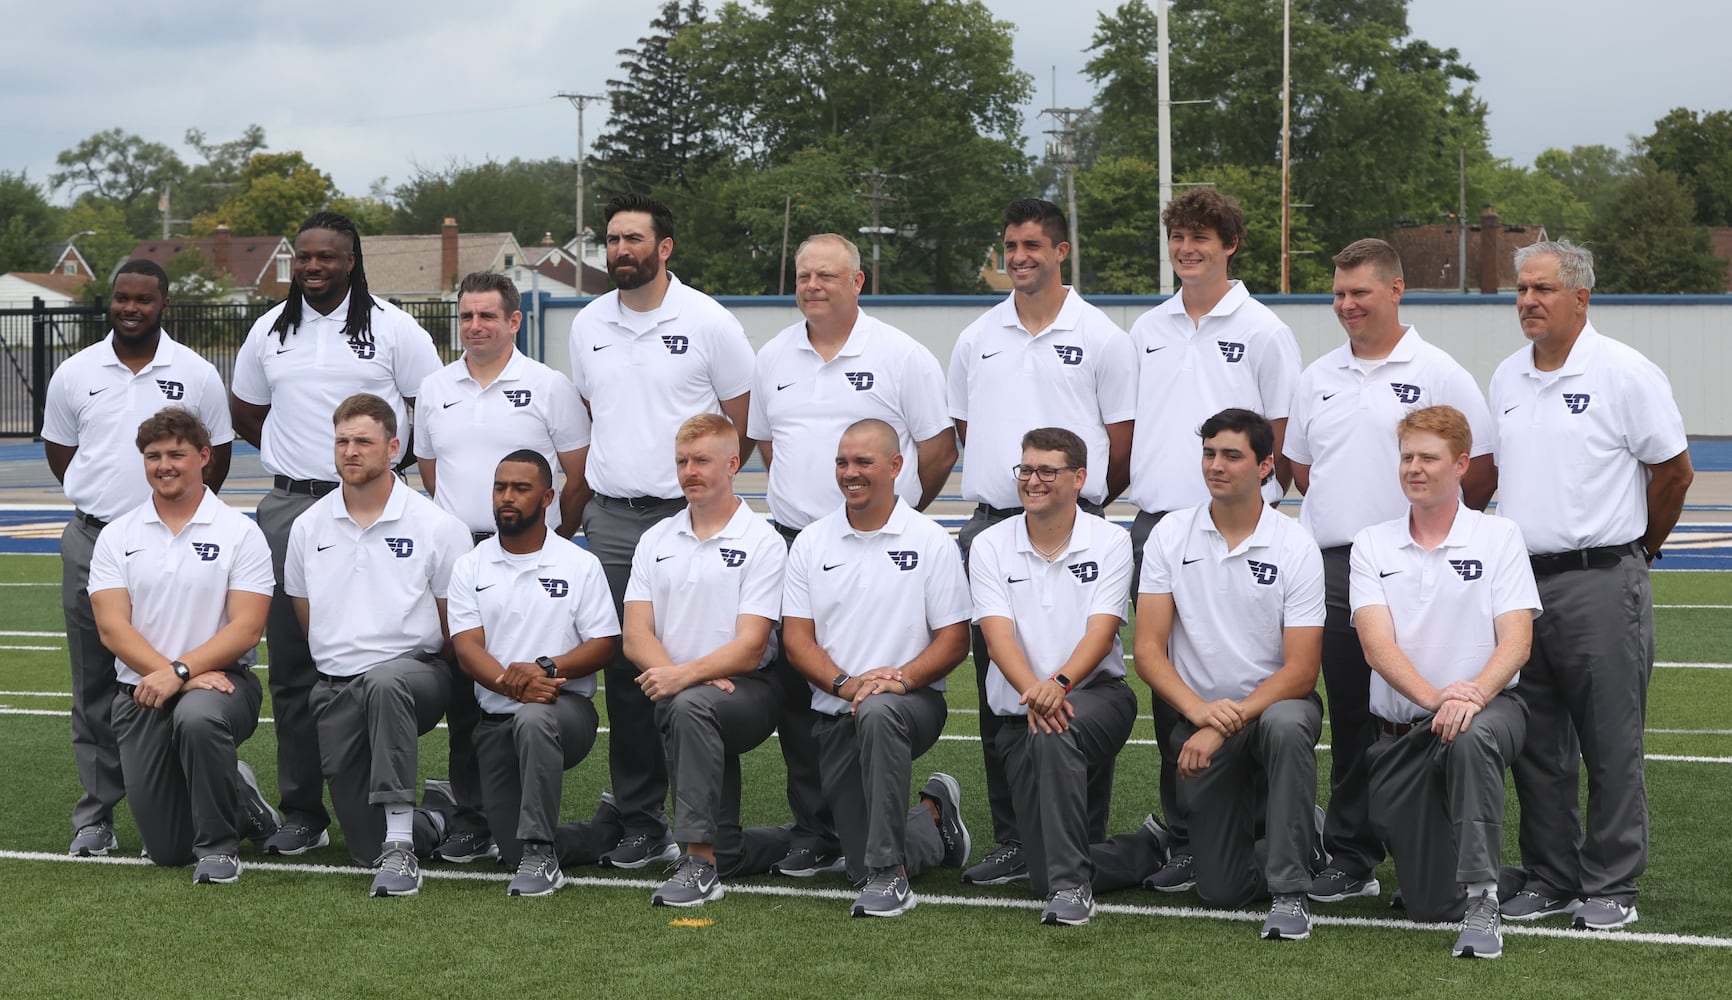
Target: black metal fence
34,341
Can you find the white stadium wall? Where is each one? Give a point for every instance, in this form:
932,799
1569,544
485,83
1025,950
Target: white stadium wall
1690,337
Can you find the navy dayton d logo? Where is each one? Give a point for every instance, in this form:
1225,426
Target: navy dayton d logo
171,390
1233,353
1405,393
207,551
1577,401
1264,573
518,398
402,548
676,343
554,588
1469,569
905,559
1067,354
1085,572
733,558
363,349
861,381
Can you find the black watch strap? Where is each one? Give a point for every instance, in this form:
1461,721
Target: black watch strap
181,670
836,684
546,663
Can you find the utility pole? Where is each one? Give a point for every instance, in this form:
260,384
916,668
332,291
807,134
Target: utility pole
1286,142
877,230
578,101
1063,152
1164,140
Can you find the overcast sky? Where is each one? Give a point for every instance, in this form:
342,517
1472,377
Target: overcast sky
369,90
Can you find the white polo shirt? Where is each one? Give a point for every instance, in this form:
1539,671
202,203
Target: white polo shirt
801,404
179,584
1233,606
1240,355
1342,424
95,404
644,374
698,589
875,598
1079,373
1572,443
304,378
542,603
1444,601
1050,603
467,429
371,591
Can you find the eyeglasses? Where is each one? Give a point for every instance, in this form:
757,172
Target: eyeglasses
1046,474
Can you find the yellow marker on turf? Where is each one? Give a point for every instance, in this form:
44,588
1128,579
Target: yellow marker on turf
690,922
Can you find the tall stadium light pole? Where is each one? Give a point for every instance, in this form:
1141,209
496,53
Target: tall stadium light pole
578,101
1286,141
1164,131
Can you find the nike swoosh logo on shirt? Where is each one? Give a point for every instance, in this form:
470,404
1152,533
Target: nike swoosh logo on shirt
661,558
449,405
95,391
479,588
324,547
284,350
1511,408
1015,579
1188,562
833,566
133,552
994,354
1329,395
1382,574
600,347
779,388
1151,350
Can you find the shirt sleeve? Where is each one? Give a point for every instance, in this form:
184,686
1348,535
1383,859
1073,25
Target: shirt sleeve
213,405
59,419
294,559
594,614
1653,427
251,571
730,359
1513,587
1462,392
573,343
462,610
1365,589
424,427
106,570
1116,385
1278,372
1115,580
565,412
757,420
947,599
640,586
923,395
455,540
1302,604
249,382
1295,444
796,598
956,379
761,590
1157,576
415,356
986,583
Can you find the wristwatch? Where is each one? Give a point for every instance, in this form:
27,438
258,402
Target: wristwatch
836,685
1064,682
546,663
181,670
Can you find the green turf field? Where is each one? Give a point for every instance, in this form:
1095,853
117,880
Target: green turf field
304,929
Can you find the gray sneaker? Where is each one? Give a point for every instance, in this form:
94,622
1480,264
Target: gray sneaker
1156,829
1071,907
218,869
1597,913
1530,905
399,872
255,819
887,894
437,797
1481,929
461,847
803,862
943,790
1177,875
1289,919
1002,864
1333,885
538,873
93,841
691,881
640,849
294,838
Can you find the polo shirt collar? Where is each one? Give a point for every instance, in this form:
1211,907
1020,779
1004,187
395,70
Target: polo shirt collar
1261,537
339,315
164,352
544,556
1582,354
205,514
512,372
1460,530
853,347
394,504
736,526
1069,315
897,523
669,309
1405,349
1082,534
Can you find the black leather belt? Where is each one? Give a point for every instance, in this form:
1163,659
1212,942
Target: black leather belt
639,503
1396,729
477,537
997,513
339,681
786,532
305,487
1600,557
95,522
127,689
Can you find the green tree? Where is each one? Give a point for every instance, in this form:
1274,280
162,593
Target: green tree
524,197
371,215
99,230
194,279
1524,196
660,128
123,169
1589,172
1645,242
277,192
207,185
1697,149
26,224
1124,69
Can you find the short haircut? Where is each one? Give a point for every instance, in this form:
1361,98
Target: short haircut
529,456
1446,422
1207,208
661,220
487,281
1058,439
1575,264
883,432
1051,219
1378,255
149,268
1253,425
707,425
365,404
831,239
173,423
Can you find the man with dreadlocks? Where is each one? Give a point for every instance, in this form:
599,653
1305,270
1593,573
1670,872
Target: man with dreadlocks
329,340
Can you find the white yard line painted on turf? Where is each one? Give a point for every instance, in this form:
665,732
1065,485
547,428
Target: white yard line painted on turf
976,902
33,635
29,584
35,649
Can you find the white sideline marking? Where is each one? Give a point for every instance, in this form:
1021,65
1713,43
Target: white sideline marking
1693,607
36,649
34,635
976,902
29,584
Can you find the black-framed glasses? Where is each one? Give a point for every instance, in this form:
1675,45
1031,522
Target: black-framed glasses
1046,473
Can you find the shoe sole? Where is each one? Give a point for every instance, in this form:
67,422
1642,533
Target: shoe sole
1021,876
659,900
670,853
464,859
1583,925
93,852
839,866
1371,889
953,792
1271,934
1054,920
378,892
1567,910
861,911
1181,887
322,840
558,884
207,880
1470,953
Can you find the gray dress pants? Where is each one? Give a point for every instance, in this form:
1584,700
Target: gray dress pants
867,763
523,758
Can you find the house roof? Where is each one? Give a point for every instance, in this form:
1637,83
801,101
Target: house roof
1429,253
564,270
65,284
248,256
411,264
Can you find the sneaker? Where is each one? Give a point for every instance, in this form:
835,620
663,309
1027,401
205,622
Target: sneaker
463,846
93,841
218,869
437,797
1163,837
1481,929
943,790
1177,875
538,873
1334,885
1510,880
1530,905
1071,907
887,894
1289,919
1398,902
294,838
691,881
1002,864
1597,913
803,862
256,819
399,872
640,849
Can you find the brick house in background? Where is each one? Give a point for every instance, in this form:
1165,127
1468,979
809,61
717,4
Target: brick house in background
1722,240
427,268
257,266
1429,254
556,271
